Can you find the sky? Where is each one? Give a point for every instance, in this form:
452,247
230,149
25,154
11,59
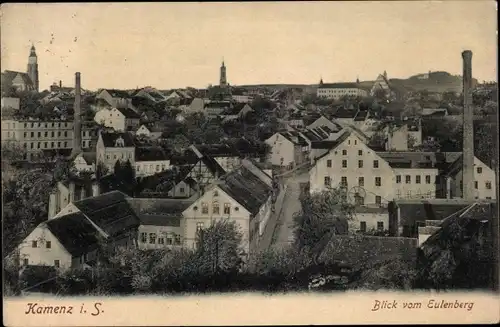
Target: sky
175,45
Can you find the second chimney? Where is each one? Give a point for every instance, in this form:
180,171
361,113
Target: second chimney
468,129
77,123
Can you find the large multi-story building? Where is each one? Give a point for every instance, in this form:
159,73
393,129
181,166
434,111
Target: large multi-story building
37,135
338,90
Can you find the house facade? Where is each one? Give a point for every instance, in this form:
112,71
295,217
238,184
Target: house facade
338,90
113,147
288,149
120,119
484,180
115,98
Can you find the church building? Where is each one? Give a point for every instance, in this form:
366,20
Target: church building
21,81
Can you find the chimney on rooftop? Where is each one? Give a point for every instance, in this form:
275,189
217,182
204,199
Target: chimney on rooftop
77,124
60,84
468,130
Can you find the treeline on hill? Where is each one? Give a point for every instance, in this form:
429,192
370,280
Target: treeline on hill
324,257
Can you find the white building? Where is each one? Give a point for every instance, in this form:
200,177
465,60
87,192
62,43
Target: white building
338,90
120,119
150,161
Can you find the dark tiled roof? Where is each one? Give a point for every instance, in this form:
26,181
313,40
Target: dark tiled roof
109,139
361,115
339,86
151,153
118,93
412,211
160,220
9,75
344,113
75,233
89,157
110,211
407,159
222,105
246,188
213,165
129,113
338,141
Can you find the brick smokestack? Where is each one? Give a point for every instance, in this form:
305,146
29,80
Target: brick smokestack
77,124
468,130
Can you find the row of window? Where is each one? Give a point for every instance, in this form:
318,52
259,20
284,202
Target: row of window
343,181
417,179
151,166
162,239
57,263
53,134
216,208
48,244
45,125
122,156
487,185
362,226
418,194
360,201
360,162
53,145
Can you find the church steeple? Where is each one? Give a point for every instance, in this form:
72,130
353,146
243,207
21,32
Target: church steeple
223,79
33,67
321,81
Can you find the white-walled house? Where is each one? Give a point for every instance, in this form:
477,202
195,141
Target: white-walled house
240,196
113,147
350,163
70,239
366,219
115,98
120,119
288,149
85,161
484,180
150,161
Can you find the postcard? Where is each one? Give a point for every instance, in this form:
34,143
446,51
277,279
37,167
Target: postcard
249,163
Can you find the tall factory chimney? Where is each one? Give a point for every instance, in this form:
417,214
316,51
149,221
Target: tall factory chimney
77,124
468,130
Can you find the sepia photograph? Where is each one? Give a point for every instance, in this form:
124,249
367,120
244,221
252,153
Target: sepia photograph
212,152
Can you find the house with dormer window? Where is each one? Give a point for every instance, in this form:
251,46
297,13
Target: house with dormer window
112,147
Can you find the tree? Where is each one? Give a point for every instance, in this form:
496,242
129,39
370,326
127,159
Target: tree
219,247
63,169
322,214
124,178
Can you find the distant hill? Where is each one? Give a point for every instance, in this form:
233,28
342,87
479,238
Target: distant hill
433,82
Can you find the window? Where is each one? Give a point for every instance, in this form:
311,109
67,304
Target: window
475,185
378,181
329,163
362,226
152,238
375,163
26,262
417,179
380,225
58,144
427,179
25,134
48,244
378,200
344,181
52,134
59,133
360,152
177,239
361,181
398,194
359,199
328,181
161,240
479,170
65,144
66,133
355,142
204,208
408,194
227,208
215,208
169,239
38,145
34,244
56,263
488,185
408,179
398,179
199,226
32,144
51,145
344,163
461,185
144,237
32,134
182,190
344,152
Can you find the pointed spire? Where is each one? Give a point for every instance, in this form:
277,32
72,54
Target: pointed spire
223,62
321,80
357,79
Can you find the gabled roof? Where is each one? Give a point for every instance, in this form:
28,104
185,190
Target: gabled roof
128,113
150,153
410,159
361,115
110,211
331,145
109,139
75,233
245,188
9,75
118,93
345,113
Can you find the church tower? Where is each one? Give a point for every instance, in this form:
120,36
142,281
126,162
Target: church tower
33,67
223,79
